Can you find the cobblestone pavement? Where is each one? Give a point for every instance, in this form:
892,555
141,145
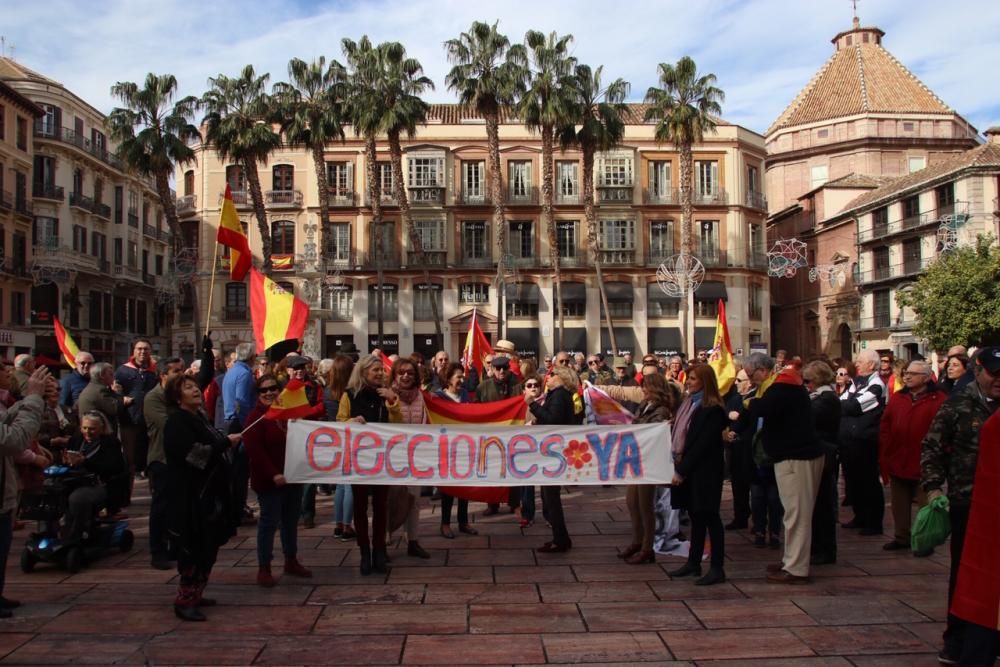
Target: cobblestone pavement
484,600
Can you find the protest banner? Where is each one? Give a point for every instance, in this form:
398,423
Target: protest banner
477,455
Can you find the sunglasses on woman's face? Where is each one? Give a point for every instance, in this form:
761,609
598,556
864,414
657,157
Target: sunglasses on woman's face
841,373
269,388
407,371
531,385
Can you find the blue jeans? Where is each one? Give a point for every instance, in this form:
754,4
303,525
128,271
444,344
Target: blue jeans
528,503
278,507
765,503
343,505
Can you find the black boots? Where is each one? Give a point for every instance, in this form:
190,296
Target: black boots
366,561
379,561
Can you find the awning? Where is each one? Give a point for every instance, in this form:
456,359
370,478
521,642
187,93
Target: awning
664,340
711,290
704,337
573,293
522,293
624,337
655,294
619,292
525,341
574,340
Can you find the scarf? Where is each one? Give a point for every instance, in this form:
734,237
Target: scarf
821,390
132,361
407,395
683,421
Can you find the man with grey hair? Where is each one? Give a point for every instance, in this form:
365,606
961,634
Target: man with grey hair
75,382
24,366
758,367
861,413
239,397
98,396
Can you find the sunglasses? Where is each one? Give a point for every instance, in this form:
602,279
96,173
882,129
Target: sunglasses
407,372
841,374
269,388
592,363
531,385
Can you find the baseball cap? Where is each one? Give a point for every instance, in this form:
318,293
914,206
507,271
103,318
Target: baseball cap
989,358
501,362
297,362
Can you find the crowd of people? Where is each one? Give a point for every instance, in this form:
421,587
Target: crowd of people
783,434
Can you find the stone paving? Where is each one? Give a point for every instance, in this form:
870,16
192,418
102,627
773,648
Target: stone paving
485,600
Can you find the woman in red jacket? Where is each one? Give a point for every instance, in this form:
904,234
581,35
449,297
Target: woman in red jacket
279,500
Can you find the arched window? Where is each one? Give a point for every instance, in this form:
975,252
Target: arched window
282,237
283,177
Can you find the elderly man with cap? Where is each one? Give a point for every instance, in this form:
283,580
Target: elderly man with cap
949,456
500,385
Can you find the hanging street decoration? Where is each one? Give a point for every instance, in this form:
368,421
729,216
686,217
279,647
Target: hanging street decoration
786,257
680,274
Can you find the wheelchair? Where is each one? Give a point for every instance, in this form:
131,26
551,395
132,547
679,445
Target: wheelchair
48,506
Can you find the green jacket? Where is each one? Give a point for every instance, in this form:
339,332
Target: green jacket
950,449
155,410
489,391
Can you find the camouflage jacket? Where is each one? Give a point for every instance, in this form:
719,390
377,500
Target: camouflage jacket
599,377
951,448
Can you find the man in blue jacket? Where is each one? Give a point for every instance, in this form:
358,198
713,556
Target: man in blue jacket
239,397
75,382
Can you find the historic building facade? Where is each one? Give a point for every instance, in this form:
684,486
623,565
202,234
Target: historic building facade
638,211
863,120
98,239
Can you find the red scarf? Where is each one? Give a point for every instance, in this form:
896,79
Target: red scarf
131,361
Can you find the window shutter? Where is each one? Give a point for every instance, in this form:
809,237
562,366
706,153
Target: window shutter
715,177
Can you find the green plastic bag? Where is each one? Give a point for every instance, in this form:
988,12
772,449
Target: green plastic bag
932,526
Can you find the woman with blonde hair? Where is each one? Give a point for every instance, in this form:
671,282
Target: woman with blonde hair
367,399
335,384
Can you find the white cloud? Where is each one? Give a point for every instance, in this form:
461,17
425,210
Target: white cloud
762,51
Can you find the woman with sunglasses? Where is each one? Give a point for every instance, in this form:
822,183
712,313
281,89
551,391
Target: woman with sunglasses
454,390
280,502
844,376
405,380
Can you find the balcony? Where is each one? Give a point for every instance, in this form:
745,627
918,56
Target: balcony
102,211
149,279
332,263
877,321
23,207
241,198
431,258
127,271
49,191
756,200
657,257
385,198
133,220
6,201
104,266
186,205
574,261
909,268
283,198
149,231
522,197
340,198
665,196
69,136
480,258
567,199
13,266
388,259
957,213
617,257
480,198
614,194
715,197
283,262
712,258
164,236
426,196
234,314
82,202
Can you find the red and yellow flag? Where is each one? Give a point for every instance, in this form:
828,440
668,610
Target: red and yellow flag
721,358
277,315
66,343
292,403
231,235
476,347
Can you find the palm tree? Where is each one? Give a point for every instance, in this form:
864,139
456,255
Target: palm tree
544,106
489,75
310,108
236,122
597,124
154,134
684,107
365,112
402,84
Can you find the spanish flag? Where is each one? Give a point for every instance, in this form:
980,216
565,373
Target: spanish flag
66,343
508,412
476,347
277,315
231,235
722,353
292,403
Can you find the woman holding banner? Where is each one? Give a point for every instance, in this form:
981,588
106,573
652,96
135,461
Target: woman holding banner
559,409
700,468
405,381
368,400
657,406
454,390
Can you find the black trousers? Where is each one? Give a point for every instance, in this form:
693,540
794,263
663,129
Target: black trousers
740,475
954,629
157,473
824,523
241,479
6,540
552,500
864,487
980,646
710,522
447,502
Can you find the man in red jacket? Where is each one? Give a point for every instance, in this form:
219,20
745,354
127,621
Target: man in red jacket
903,427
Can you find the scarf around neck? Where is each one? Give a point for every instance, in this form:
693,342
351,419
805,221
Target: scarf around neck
683,421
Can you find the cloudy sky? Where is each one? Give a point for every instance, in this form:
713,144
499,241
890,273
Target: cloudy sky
762,51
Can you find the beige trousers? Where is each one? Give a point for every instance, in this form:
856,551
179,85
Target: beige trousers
798,483
904,493
639,498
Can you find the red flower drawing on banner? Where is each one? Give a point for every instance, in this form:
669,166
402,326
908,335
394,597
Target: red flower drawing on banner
577,453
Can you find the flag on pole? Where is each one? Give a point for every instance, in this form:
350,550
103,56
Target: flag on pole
509,412
476,347
66,343
721,358
602,409
277,315
292,403
231,235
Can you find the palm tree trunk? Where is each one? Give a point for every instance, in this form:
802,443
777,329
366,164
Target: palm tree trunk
173,223
375,202
687,296
396,154
324,197
550,227
496,194
590,215
257,196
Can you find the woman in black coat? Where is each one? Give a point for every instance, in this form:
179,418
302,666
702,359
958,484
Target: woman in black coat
559,409
199,497
819,380
701,470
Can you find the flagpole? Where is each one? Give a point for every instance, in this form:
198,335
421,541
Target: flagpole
211,288
252,424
